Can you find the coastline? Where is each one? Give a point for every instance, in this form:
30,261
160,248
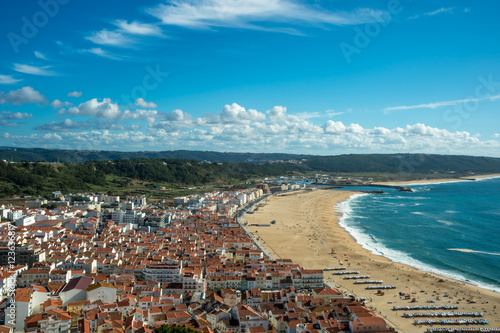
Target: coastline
415,264
439,180
308,227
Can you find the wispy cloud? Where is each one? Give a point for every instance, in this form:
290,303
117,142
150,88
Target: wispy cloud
308,115
122,37
139,28
441,10
28,69
333,113
100,52
110,38
203,14
8,79
440,104
40,55
75,94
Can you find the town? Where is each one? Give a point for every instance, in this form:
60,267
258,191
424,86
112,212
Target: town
100,263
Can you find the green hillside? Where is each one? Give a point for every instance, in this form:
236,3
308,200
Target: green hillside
80,156
34,178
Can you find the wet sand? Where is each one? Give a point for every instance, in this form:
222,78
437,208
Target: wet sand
307,229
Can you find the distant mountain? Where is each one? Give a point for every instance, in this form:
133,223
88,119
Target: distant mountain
81,156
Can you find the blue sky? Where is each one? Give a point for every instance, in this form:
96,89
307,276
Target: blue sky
318,77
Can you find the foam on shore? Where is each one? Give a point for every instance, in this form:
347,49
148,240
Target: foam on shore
370,243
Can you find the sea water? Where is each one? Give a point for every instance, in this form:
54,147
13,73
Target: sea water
452,229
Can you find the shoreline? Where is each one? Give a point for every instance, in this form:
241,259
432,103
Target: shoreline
423,267
308,227
439,180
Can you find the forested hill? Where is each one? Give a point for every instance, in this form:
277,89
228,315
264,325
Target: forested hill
379,163
404,163
80,156
39,177
30,178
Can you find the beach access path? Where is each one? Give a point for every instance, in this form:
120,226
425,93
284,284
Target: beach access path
306,231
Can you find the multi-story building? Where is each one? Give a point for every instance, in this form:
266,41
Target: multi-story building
164,272
24,255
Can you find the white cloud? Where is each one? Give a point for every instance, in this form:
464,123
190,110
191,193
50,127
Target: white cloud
57,104
7,123
380,131
110,38
75,94
235,113
69,125
202,14
440,10
496,135
7,117
277,114
142,103
176,115
52,136
354,128
40,55
65,125
421,129
8,79
440,104
333,113
139,28
176,120
308,115
24,95
33,70
15,115
105,109
334,127
99,52
263,136
236,128
146,115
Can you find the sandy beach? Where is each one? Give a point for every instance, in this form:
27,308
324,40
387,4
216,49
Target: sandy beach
307,229
439,180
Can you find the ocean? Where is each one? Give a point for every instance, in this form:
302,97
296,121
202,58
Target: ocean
452,229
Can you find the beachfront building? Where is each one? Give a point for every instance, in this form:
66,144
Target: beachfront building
368,324
311,278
